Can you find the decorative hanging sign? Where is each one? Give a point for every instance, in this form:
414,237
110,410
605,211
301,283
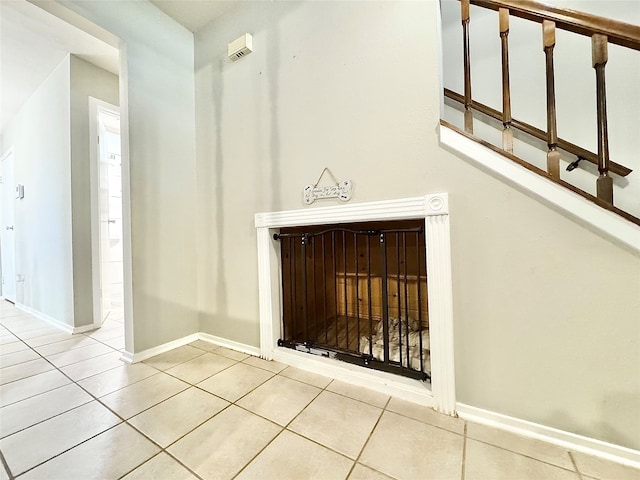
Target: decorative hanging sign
340,190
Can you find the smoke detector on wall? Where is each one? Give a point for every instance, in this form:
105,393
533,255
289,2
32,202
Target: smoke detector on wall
240,47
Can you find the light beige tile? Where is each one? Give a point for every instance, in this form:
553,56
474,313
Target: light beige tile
162,466
24,370
34,445
174,357
543,451
316,380
204,345
4,475
22,324
115,343
486,461
20,415
133,399
38,332
12,347
76,355
426,414
51,338
195,370
8,339
604,469
116,378
109,324
291,456
93,366
235,381
219,448
272,366
365,395
232,354
405,448
17,357
18,318
107,333
106,456
7,309
77,341
280,399
173,418
30,386
338,422
360,472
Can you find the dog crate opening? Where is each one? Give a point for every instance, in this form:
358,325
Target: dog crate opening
358,292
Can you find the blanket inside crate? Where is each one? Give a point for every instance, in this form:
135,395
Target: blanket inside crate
402,333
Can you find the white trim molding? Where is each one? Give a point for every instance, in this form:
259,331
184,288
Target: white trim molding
96,106
434,209
383,382
165,347
55,322
157,350
233,345
588,213
570,441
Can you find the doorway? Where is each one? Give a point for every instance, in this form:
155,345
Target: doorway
7,238
106,168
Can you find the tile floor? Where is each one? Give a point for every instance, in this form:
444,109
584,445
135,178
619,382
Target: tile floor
70,409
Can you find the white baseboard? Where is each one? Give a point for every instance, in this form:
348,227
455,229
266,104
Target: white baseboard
129,357
233,345
152,352
46,318
389,384
54,322
126,357
570,441
84,328
411,390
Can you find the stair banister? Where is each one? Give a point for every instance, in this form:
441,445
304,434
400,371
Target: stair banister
602,31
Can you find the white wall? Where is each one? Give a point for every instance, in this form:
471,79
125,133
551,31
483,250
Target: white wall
86,80
574,83
40,136
546,312
158,135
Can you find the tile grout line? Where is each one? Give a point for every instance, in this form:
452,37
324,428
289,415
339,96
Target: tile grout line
523,454
575,465
164,449
122,421
464,452
96,399
67,450
285,428
5,465
384,409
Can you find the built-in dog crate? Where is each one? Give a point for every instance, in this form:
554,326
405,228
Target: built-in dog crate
358,292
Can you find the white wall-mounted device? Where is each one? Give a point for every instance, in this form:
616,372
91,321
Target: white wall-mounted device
240,47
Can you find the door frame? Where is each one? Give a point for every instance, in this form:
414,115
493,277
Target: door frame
3,157
96,106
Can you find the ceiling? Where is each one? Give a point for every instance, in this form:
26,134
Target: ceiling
33,42
195,14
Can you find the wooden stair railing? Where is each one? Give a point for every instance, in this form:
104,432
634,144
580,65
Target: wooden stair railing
602,31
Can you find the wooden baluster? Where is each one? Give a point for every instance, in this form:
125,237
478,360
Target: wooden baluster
553,157
600,55
468,114
507,133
